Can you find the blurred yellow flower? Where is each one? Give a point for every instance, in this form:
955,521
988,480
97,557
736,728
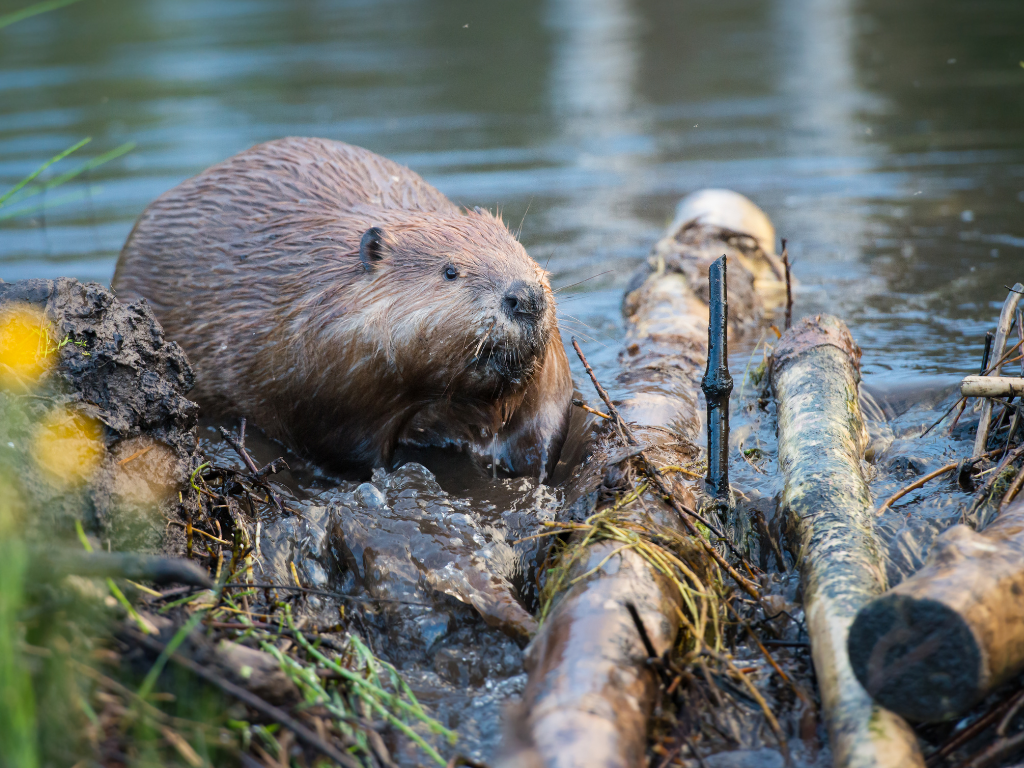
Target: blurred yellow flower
24,345
68,446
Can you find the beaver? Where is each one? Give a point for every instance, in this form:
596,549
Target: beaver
345,306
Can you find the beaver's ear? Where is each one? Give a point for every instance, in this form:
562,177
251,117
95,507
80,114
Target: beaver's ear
371,247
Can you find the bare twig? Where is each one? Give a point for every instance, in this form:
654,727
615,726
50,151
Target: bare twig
717,384
941,418
914,486
931,476
1014,489
967,734
789,289
995,751
257,478
588,409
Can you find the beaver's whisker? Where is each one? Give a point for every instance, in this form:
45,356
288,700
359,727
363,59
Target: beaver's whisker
520,230
457,373
486,335
588,340
578,320
573,285
549,259
572,319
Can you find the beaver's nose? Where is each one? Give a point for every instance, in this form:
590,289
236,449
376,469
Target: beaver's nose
524,300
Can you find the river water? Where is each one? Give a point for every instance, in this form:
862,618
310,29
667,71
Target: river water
886,142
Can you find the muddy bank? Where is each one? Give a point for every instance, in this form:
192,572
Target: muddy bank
96,423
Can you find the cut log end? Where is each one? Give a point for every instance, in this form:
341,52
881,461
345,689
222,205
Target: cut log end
916,657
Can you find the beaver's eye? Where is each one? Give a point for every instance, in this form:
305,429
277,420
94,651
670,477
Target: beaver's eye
450,272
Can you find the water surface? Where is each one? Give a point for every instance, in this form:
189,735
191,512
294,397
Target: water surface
885,140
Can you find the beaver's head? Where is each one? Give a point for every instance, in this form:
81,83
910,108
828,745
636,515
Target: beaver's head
456,303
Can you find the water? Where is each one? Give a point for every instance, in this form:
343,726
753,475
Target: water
886,142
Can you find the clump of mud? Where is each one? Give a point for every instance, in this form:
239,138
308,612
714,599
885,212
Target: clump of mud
95,424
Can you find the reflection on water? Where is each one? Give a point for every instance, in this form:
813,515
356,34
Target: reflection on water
884,139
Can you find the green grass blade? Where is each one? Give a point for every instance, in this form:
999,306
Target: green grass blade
33,10
32,176
17,698
26,193
106,157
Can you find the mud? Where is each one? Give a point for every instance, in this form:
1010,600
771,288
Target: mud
112,368
457,563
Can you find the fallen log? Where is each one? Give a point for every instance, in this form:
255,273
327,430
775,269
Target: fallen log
939,642
815,377
614,593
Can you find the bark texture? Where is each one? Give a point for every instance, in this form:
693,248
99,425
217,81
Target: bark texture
815,377
936,644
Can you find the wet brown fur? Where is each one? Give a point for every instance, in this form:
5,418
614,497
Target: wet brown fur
254,267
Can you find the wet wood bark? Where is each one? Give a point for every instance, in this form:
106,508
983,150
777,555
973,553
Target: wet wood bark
940,641
815,376
591,689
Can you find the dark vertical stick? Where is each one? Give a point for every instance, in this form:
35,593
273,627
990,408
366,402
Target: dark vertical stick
789,287
717,383
989,338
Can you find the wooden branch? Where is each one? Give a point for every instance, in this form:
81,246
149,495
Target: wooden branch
789,287
940,641
991,386
913,487
815,377
119,565
1002,331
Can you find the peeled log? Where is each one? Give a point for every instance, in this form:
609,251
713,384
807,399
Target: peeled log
590,690
940,641
815,377
592,711
991,386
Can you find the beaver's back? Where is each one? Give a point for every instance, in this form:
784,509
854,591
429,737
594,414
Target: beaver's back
223,256
273,196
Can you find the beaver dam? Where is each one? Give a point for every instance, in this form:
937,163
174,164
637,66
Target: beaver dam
759,560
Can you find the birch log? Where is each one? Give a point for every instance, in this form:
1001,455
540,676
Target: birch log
934,645
815,376
590,689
